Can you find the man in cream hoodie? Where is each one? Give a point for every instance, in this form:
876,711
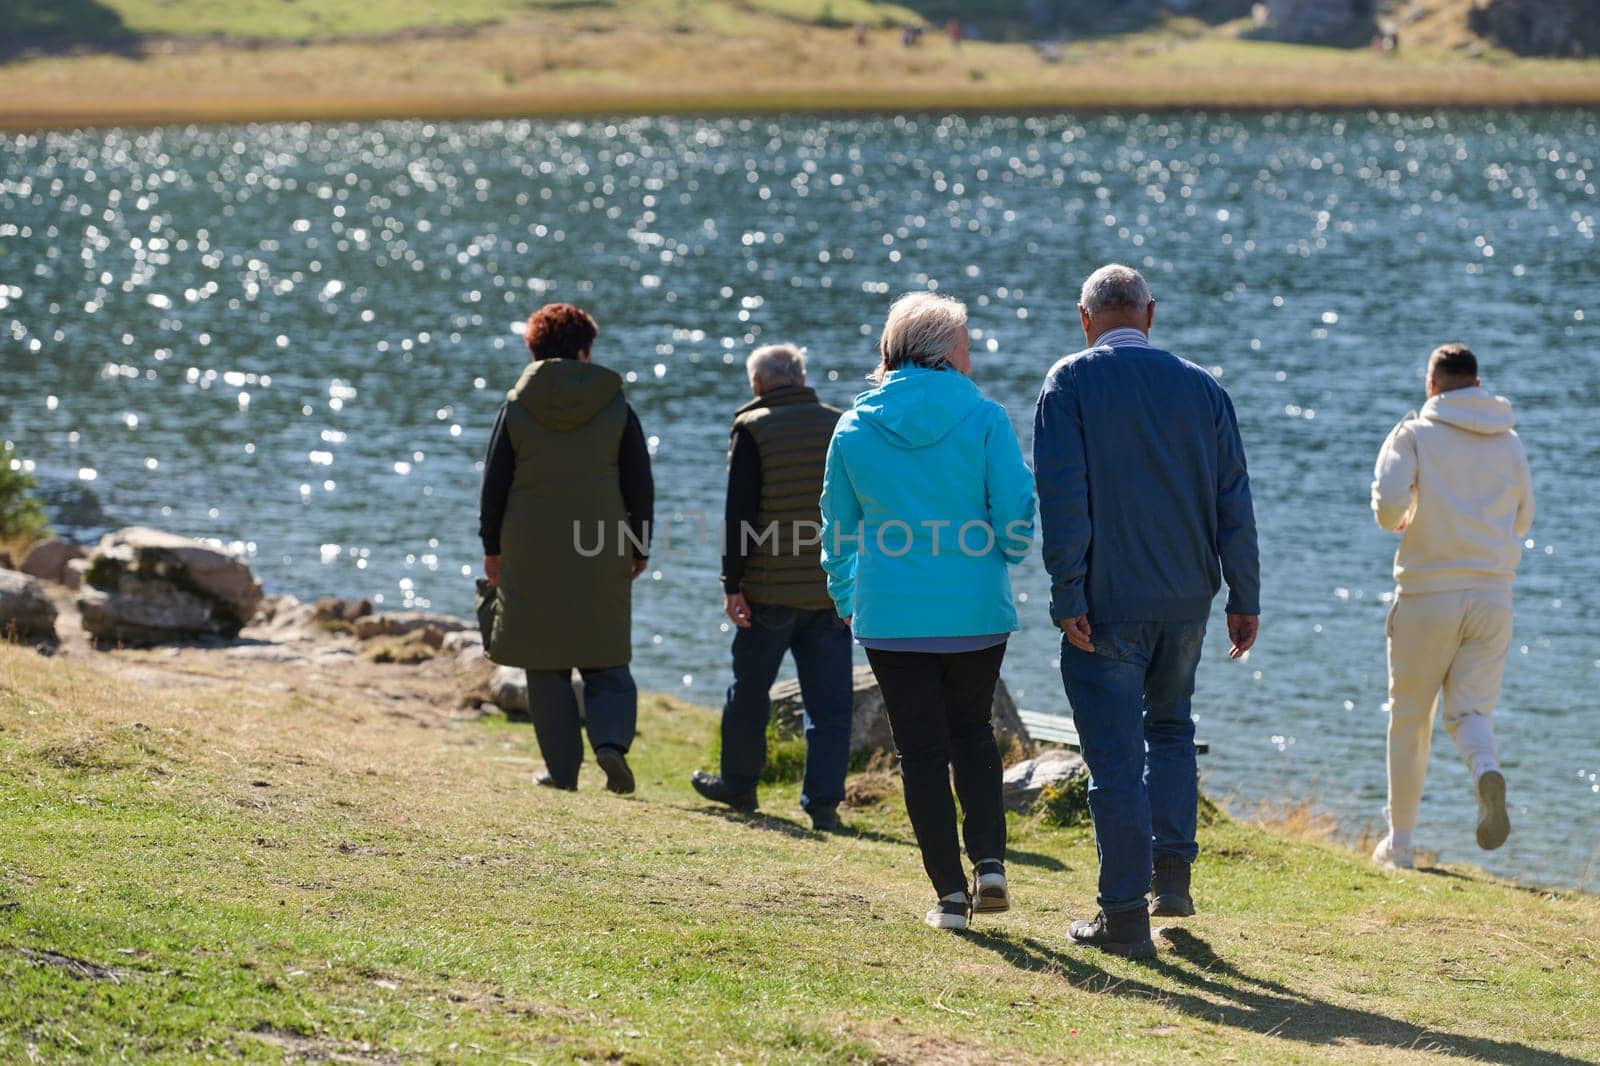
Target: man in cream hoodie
1454,482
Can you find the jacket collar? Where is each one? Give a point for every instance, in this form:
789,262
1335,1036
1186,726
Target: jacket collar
782,396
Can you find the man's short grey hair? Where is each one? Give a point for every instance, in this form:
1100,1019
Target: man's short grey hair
777,365
923,329
1114,288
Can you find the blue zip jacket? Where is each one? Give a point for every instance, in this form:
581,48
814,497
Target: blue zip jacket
1144,496
925,502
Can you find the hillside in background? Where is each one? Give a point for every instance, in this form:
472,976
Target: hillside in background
138,62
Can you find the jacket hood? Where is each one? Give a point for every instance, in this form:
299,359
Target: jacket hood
1474,410
565,393
916,407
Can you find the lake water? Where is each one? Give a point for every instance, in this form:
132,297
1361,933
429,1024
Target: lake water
295,337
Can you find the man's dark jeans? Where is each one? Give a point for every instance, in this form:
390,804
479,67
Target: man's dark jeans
939,707
1131,704
610,713
821,646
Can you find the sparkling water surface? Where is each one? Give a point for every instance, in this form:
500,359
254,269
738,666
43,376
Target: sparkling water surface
293,338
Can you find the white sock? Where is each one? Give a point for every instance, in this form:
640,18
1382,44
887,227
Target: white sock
954,897
1400,838
1483,765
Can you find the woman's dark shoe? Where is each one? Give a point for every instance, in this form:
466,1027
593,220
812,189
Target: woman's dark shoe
716,790
1494,824
825,821
952,912
544,780
989,892
614,765
1169,890
1126,933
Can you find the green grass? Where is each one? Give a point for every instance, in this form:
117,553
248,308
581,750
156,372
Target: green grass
197,859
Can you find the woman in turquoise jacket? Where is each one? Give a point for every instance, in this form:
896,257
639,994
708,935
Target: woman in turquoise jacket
926,503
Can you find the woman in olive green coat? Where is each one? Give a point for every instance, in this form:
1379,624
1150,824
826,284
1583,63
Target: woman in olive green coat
565,518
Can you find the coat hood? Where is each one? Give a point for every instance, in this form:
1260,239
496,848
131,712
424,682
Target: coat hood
916,407
1474,410
565,393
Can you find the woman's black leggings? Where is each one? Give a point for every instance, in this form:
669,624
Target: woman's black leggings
939,706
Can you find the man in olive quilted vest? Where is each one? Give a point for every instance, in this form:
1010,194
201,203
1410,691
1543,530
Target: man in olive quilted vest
776,593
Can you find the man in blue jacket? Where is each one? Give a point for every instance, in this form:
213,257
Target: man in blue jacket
1144,503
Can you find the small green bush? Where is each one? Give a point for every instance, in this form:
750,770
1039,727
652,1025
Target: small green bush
22,520
1066,804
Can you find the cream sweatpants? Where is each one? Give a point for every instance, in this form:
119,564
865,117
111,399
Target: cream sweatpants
1449,648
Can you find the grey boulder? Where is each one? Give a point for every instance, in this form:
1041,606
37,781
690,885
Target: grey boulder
25,611
48,559
1023,783
146,587
870,734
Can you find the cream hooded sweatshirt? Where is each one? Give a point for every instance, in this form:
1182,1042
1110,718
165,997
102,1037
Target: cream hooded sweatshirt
1455,480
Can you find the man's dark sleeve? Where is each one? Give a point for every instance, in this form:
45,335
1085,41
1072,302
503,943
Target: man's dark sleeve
637,483
1061,470
743,507
1236,517
499,470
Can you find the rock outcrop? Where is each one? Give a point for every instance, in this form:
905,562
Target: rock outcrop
26,613
146,587
1540,27
48,559
1026,781
869,726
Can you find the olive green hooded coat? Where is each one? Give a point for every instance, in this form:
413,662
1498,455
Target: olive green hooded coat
565,597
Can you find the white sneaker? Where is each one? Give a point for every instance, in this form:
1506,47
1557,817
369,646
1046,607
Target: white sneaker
989,892
952,912
1391,857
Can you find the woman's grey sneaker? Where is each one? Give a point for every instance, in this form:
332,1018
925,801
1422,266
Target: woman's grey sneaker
1494,824
1126,933
614,764
989,892
1169,890
717,790
953,912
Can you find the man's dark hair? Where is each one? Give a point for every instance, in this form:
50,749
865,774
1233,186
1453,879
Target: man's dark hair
560,331
1453,366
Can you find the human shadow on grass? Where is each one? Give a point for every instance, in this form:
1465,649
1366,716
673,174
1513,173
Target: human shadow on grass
759,820
1234,998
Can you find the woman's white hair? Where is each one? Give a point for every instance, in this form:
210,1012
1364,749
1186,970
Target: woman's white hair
923,329
776,365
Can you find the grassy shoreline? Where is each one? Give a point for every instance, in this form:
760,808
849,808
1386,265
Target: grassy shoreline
760,66
210,854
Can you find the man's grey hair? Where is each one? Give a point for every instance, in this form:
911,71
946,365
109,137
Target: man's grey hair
776,365
1114,288
923,329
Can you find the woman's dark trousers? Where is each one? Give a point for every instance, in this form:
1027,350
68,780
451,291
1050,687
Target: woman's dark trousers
939,706
610,712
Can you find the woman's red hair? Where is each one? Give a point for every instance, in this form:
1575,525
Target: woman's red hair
560,331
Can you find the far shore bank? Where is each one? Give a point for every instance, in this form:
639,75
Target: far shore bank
765,70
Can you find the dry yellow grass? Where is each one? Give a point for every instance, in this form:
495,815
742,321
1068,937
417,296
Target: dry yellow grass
585,64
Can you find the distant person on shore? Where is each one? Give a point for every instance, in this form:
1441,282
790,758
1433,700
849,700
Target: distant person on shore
925,507
565,514
953,27
1144,503
1454,481
776,594
861,34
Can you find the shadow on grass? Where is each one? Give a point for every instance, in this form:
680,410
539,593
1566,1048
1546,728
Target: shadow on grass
757,820
1214,990
1018,857
51,27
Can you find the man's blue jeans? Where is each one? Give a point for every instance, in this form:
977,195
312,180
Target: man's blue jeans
1131,704
821,644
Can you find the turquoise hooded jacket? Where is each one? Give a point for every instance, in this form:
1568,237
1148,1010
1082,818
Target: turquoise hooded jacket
925,503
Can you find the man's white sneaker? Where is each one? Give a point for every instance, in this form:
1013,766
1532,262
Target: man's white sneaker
1391,857
952,912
